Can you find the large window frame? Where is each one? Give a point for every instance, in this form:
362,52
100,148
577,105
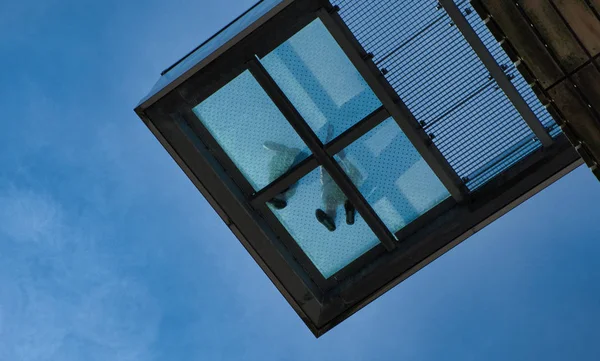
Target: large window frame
321,302
190,93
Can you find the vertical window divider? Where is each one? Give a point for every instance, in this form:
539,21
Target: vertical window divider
342,180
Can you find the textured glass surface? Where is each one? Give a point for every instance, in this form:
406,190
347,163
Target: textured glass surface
214,43
392,176
329,251
251,130
321,82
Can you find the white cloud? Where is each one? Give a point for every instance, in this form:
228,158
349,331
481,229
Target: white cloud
29,217
56,285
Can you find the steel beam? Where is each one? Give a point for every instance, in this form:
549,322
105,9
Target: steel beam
496,71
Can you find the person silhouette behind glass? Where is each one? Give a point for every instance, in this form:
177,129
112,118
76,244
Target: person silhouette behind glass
283,159
332,196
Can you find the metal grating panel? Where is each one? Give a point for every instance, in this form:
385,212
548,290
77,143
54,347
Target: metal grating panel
442,81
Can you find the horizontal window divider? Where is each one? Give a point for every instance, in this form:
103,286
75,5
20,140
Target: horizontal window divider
336,172
285,181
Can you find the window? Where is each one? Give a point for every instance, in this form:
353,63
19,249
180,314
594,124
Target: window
251,130
331,96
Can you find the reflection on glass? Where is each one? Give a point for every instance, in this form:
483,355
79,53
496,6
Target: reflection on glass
330,244
392,176
320,81
251,130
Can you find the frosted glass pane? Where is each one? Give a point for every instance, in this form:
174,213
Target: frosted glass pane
392,176
330,251
320,81
251,130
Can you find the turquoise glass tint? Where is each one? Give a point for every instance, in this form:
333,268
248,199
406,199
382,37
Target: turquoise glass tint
251,130
320,81
329,251
392,175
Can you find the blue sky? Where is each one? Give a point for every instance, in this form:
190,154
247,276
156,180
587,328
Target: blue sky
107,251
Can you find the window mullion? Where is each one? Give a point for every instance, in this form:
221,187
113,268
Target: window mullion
326,160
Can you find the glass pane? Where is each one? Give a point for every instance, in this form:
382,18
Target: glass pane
392,176
251,130
214,43
321,82
313,202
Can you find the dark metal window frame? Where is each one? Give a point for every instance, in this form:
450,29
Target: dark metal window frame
321,303
177,107
322,155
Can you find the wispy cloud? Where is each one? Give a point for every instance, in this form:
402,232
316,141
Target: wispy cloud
56,286
89,205
29,217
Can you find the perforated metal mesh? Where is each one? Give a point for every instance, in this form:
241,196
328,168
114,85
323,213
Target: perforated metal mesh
440,78
251,130
329,251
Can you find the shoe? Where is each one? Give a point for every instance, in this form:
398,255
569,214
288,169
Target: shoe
350,212
325,220
278,203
